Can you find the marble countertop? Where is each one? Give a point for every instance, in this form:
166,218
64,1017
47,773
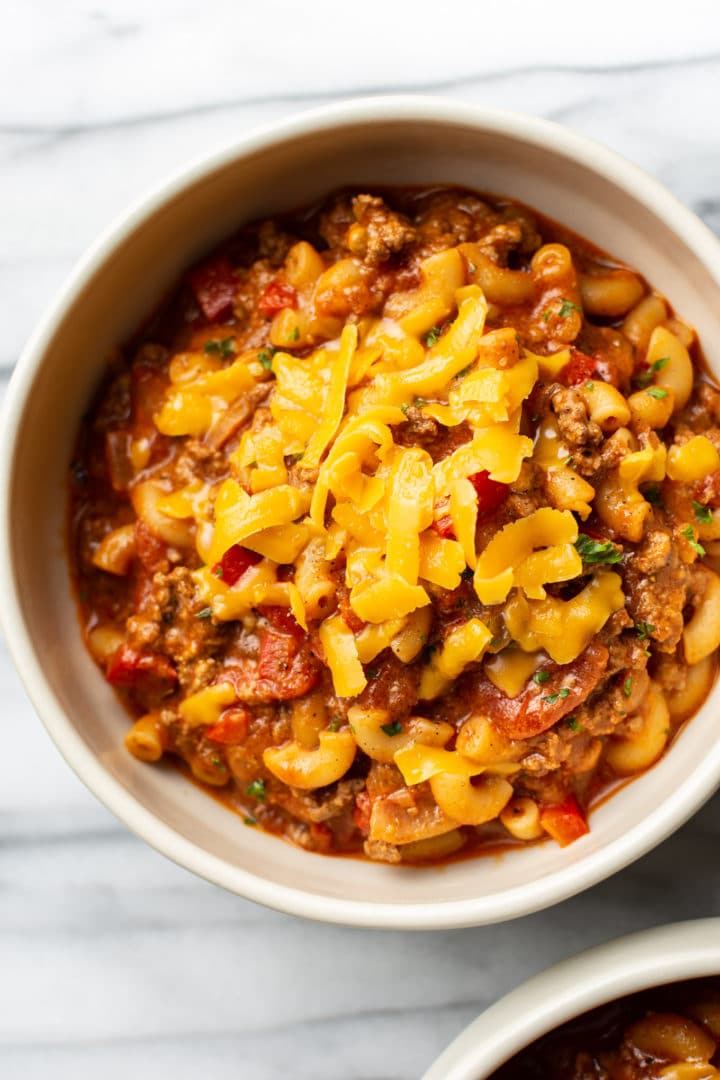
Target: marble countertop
113,961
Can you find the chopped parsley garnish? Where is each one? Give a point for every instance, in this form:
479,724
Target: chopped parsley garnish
404,408
225,347
265,357
465,371
352,729
546,314
689,534
562,693
218,762
296,334
250,820
657,392
644,630
392,729
541,676
256,790
703,514
566,308
432,337
570,462
574,724
218,570
205,613
420,401
372,673
334,724
589,385
627,686
645,378
597,551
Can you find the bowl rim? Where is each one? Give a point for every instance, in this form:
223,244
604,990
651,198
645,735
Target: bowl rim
508,904
596,976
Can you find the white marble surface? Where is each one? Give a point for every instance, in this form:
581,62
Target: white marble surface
114,962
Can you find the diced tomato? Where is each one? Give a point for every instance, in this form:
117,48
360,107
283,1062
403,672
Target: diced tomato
277,652
565,821
540,705
579,368
491,494
213,283
276,296
443,526
150,549
361,812
147,670
321,836
282,620
234,563
231,728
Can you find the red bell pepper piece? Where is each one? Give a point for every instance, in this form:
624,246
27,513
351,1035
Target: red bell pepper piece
579,368
234,563
282,620
213,283
491,494
132,669
276,296
564,821
231,728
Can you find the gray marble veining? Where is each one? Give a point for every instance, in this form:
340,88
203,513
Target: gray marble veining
113,961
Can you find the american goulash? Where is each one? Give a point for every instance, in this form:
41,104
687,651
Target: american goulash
666,1033
399,525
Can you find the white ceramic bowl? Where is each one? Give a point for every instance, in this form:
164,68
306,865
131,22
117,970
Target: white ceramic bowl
381,140
655,957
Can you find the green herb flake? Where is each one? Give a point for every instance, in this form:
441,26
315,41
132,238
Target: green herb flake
372,673
541,676
551,698
644,379
644,630
589,385
657,392
573,724
569,462
250,820
392,729
205,613
218,570
352,729
689,534
404,408
224,348
218,762
652,494
420,401
432,337
296,334
265,357
564,692
465,371
703,514
334,724
597,551
627,686
256,790
546,315
566,308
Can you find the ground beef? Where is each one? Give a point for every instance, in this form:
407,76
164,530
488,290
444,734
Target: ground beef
379,851
321,805
392,686
167,622
576,427
657,591
384,232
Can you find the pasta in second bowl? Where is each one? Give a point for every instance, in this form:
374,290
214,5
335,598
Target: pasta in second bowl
520,310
